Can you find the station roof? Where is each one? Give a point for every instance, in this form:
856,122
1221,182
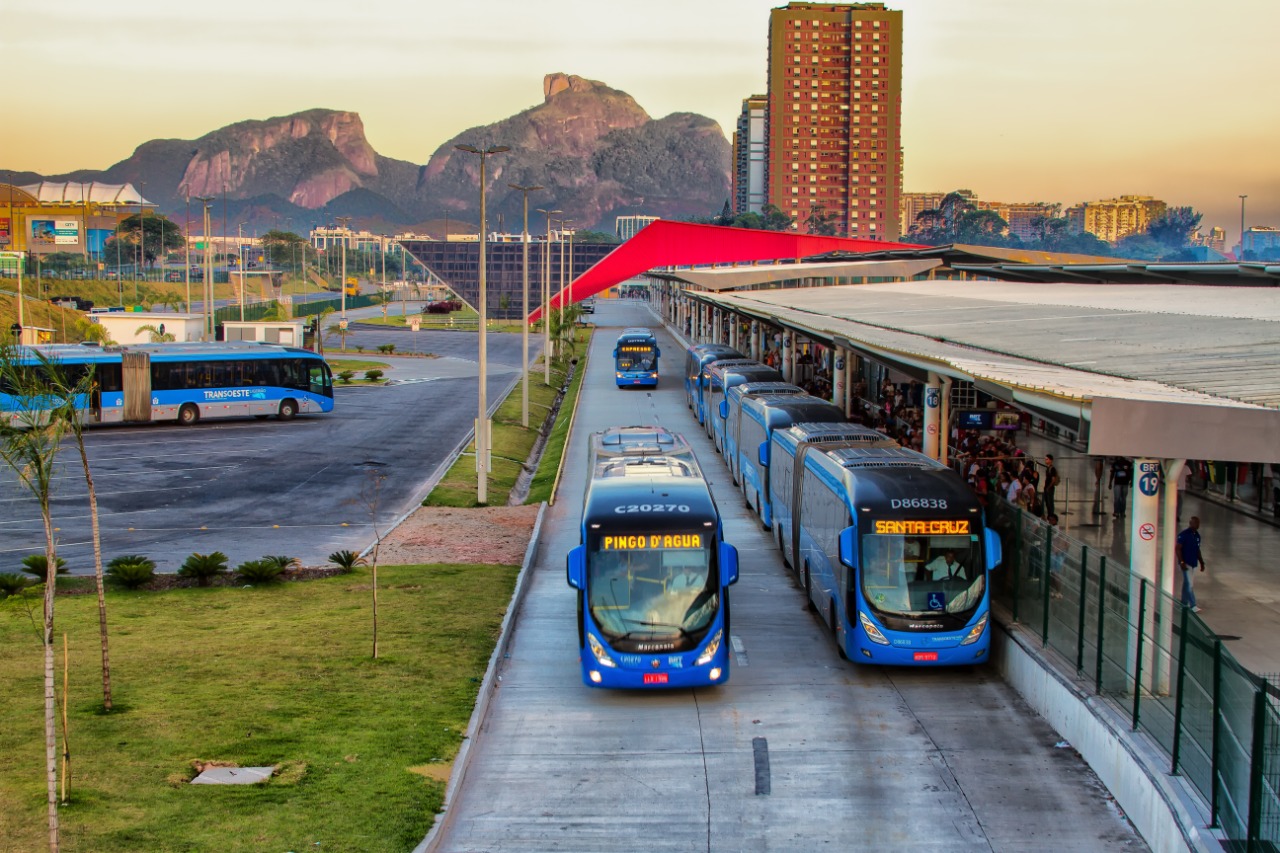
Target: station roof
71,192
1167,357
721,279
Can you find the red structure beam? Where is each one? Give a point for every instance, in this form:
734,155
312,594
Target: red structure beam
667,243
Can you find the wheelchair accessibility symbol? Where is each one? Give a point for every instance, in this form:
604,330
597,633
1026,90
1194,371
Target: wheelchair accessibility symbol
937,601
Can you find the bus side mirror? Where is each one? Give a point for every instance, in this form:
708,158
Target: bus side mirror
728,563
846,547
615,353
724,410
657,353
764,454
995,553
577,567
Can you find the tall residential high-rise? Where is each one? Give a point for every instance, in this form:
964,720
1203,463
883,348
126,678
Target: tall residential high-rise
749,163
1113,219
834,123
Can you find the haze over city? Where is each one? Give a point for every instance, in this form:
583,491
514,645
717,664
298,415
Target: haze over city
1017,101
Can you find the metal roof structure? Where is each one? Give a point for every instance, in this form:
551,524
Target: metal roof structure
733,278
1199,366
71,192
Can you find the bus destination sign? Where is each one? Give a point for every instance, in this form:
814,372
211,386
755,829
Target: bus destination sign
651,542
923,527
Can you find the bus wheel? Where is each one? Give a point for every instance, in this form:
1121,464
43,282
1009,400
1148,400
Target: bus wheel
188,414
288,408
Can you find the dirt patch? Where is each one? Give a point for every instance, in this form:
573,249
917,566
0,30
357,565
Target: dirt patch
498,534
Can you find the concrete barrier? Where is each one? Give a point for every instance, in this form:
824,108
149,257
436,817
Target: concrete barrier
1164,808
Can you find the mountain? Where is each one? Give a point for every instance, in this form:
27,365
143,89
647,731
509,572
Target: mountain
596,152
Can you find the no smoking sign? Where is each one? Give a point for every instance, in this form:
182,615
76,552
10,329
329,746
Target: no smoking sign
1147,532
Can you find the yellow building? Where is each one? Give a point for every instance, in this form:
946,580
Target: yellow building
49,217
1114,219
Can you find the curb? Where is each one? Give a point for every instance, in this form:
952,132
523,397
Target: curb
488,687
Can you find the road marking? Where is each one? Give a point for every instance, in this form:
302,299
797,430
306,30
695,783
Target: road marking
760,751
739,650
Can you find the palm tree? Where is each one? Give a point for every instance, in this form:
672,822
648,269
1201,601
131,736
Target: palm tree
157,333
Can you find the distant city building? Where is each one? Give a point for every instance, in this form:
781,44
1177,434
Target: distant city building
1216,239
627,227
326,237
1114,219
834,121
750,163
911,205
1261,242
1023,217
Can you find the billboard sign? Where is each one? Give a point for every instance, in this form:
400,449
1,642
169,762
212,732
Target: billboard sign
5,231
54,232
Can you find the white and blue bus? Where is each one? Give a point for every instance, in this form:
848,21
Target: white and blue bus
890,547
731,412
635,358
724,375
758,419
653,570
696,358
183,382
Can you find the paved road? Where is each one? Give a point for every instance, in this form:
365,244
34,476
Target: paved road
858,758
250,488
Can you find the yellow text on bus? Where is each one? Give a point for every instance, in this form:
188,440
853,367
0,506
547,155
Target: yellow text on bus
923,527
652,541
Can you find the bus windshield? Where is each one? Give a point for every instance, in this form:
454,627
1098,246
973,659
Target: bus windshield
635,357
922,575
651,588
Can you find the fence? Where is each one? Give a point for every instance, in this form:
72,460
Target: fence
1158,663
252,311
318,306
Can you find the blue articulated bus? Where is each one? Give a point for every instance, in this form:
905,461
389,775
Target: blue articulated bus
696,358
731,413
724,375
653,570
635,358
185,382
891,549
759,419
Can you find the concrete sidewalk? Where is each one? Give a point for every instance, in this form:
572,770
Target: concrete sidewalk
1239,594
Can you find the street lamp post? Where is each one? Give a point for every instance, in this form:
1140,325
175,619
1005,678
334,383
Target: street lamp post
564,226
240,264
345,222
1242,198
524,317
546,299
482,422
186,236
207,290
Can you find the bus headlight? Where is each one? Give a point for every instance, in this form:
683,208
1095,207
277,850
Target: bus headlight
976,631
873,633
618,375
710,651
598,650
653,376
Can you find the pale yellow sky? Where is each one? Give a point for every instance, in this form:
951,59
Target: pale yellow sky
1019,100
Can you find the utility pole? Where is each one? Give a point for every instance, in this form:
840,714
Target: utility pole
524,316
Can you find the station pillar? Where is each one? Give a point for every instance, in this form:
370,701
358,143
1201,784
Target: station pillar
932,415
838,379
788,345
1144,552
756,352
733,331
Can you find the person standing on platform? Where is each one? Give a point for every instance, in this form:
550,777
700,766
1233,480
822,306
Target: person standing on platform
1121,477
1050,485
1189,556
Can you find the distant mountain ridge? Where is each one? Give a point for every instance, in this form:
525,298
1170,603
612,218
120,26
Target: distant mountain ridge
596,152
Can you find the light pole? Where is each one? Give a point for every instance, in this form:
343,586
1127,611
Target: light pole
240,264
186,235
546,299
345,222
564,226
207,290
1242,198
482,422
142,221
524,317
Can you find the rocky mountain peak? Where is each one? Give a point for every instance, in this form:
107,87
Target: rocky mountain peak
554,84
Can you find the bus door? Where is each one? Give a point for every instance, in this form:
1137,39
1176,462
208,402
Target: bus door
136,379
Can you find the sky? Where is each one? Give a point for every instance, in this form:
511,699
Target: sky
1018,100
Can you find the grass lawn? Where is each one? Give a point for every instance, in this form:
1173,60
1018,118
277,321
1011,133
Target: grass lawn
266,676
359,365
512,443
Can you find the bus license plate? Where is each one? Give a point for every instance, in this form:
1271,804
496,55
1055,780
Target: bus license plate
925,656
658,677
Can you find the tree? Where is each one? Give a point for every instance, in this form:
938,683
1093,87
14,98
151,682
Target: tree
587,236
159,235
985,227
281,247
1174,227
821,222
30,447
157,333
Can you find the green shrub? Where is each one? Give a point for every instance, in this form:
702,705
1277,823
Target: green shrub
360,348
346,560
204,567
373,375
132,570
286,564
389,349
346,376
12,583
38,565
259,571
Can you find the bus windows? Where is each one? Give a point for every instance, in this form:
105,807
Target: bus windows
918,576
321,379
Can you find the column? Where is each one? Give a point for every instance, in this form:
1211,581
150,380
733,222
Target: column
1144,511
838,378
932,415
756,352
788,369
1168,570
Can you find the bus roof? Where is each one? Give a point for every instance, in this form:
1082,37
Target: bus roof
76,353
784,410
757,389
610,499
725,372
830,433
613,448
876,477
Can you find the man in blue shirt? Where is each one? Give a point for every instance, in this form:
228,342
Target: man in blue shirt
1189,556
